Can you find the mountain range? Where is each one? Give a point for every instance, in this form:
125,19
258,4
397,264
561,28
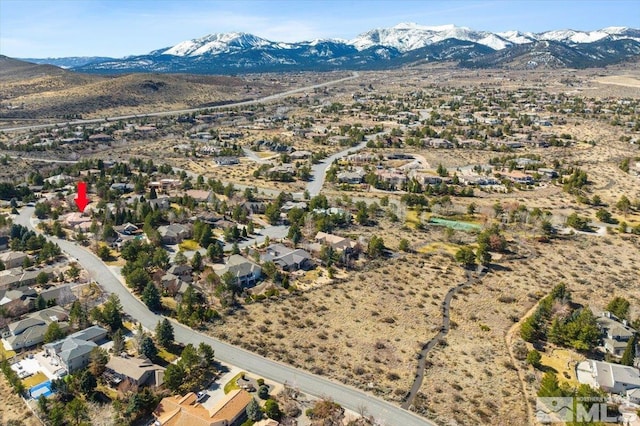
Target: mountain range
383,48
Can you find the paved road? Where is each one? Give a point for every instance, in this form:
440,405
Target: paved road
184,111
319,171
349,397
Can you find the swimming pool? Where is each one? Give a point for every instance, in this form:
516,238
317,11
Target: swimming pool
43,388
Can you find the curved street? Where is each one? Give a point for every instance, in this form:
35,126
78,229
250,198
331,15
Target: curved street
349,397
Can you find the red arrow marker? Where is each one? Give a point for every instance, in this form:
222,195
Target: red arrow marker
82,200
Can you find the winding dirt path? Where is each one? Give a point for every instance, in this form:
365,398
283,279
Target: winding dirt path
508,340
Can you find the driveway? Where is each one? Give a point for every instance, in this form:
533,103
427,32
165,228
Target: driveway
216,390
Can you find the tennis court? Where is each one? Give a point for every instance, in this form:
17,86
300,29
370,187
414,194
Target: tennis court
454,224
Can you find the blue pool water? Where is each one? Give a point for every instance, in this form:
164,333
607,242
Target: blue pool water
41,389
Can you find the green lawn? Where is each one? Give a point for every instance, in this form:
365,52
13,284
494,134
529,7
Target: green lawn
189,245
5,354
232,384
167,356
36,379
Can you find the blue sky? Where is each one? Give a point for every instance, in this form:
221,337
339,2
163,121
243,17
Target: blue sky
55,28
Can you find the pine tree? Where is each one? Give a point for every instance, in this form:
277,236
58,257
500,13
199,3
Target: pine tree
555,334
164,333
196,261
253,410
549,386
40,303
148,348
528,330
629,353
151,297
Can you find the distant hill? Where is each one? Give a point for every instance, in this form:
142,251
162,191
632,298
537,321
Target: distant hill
45,91
69,62
14,69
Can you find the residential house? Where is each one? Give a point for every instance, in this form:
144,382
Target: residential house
126,373
122,187
184,272
72,353
611,378
255,207
425,178
353,177
394,178
633,396
127,230
246,272
30,330
58,180
77,221
437,143
300,155
185,410
200,195
615,333
519,177
17,301
100,137
290,205
172,285
59,295
160,203
226,161
336,242
362,158
288,259
174,233
550,173
474,179
13,259
18,277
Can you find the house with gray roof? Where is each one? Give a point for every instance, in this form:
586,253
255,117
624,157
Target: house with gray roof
160,203
13,259
288,259
246,272
125,372
616,333
72,353
60,295
174,233
611,378
30,330
19,277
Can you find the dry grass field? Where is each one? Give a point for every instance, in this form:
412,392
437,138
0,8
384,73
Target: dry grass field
13,408
472,378
364,329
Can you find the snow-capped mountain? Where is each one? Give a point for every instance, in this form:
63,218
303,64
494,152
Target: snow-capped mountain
410,36
572,36
214,44
375,49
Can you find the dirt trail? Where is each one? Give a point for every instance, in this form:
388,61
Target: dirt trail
508,340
